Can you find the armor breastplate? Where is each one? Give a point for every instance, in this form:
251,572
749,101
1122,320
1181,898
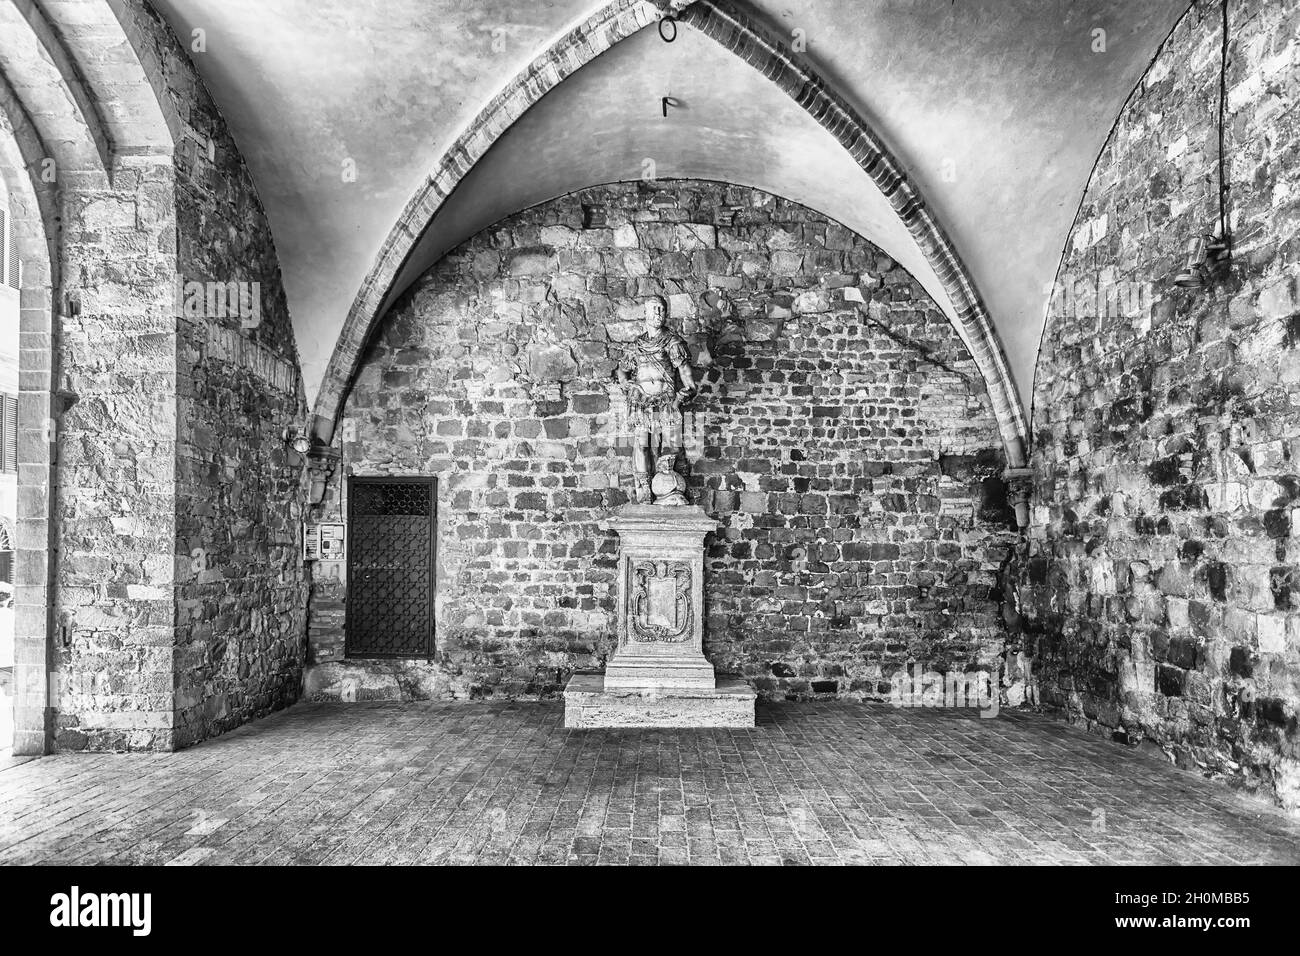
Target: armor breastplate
654,367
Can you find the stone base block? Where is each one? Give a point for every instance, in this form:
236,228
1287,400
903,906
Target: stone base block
589,705
628,672
377,680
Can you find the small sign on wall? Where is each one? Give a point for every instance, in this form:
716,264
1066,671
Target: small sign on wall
324,542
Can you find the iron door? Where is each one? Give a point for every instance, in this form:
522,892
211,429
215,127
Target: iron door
392,530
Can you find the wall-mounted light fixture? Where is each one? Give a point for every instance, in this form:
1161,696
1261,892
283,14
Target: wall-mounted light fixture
1209,256
296,440
1208,259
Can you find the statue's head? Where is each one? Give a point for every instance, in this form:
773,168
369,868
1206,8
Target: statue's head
656,315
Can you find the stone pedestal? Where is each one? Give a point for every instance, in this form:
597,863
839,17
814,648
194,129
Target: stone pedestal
587,704
658,675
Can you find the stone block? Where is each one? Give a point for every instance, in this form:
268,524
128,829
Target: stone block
552,363
589,706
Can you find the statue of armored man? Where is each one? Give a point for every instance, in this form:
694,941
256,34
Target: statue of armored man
656,378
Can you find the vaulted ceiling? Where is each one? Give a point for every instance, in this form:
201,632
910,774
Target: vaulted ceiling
996,109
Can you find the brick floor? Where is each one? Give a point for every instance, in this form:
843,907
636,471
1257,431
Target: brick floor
506,783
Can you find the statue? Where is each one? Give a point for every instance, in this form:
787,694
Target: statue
658,675
648,376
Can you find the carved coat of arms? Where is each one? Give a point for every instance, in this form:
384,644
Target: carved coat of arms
659,602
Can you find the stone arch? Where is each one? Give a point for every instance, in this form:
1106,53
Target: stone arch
33,199
76,105
719,20
33,214
124,59
90,81
39,72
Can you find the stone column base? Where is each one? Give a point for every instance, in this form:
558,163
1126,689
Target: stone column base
590,704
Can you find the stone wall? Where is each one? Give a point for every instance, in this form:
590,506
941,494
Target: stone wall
115,484
1161,587
183,591
850,452
242,588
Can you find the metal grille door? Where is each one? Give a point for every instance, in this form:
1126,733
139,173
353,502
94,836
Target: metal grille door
392,524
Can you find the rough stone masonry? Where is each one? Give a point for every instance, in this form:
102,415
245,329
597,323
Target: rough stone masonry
1162,583
181,592
848,449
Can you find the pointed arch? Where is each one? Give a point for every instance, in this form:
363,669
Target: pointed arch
38,70
727,25
90,81
33,216
77,105
124,58
33,198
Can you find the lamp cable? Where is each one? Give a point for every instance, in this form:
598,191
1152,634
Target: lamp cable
1223,114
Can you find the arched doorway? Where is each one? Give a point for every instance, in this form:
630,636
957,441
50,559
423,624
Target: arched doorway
13,275
79,122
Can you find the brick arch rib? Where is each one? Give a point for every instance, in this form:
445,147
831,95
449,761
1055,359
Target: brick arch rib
724,23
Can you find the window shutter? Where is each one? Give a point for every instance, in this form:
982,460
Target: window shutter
15,267
10,431
10,267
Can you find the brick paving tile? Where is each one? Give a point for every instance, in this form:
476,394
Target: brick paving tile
505,783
